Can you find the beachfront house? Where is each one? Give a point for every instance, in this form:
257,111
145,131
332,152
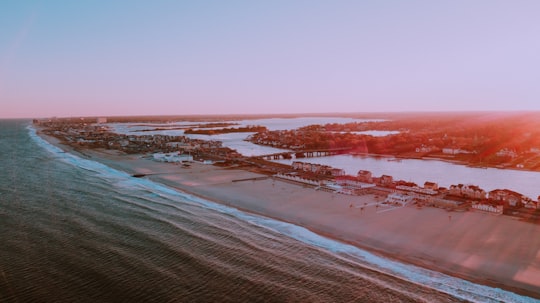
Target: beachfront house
350,182
473,192
467,191
299,178
416,189
297,165
318,169
337,172
496,209
398,199
506,196
386,180
431,185
364,176
529,203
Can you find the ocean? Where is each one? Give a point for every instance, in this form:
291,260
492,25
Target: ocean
74,230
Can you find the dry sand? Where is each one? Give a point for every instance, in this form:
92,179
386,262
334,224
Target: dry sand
488,249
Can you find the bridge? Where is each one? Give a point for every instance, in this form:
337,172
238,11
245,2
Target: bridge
309,153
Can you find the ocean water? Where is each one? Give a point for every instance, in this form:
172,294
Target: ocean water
74,230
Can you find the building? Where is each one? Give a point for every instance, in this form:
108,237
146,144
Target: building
423,149
352,184
467,191
318,168
101,120
337,172
431,185
297,165
364,176
498,209
455,151
386,180
397,198
450,151
506,153
417,189
426,149
506,196
297,178
172,157
530,203
473,192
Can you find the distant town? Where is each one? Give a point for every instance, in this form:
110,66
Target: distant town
507,142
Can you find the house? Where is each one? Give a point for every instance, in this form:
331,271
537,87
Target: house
416,189
506,153
180,145
431,185
352,182
506,196
172,157
530,203
455,151
364,176
467,191
386,180
473,192
298,178
455,190
426,149
336,172
450,151
496,209
297,165
396,198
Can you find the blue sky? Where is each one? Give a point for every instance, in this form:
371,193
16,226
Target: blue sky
78,58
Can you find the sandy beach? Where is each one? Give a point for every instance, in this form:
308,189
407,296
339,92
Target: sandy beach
498,251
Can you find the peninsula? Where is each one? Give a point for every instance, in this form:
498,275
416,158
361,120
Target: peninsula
462,230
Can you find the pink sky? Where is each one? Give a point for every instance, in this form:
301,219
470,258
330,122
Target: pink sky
71,58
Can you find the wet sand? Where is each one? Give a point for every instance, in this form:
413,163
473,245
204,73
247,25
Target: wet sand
493,250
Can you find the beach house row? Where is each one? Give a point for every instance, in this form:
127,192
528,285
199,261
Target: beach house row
318,169
504,197
300,178
467,191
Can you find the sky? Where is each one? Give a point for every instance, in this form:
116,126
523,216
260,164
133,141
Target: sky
108,58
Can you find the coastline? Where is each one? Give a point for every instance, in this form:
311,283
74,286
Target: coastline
474,246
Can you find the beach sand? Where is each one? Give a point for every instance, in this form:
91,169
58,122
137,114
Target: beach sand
493,250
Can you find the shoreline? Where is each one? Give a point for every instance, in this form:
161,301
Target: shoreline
393,233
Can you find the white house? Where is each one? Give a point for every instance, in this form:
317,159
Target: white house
396,198
489,208
172,157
